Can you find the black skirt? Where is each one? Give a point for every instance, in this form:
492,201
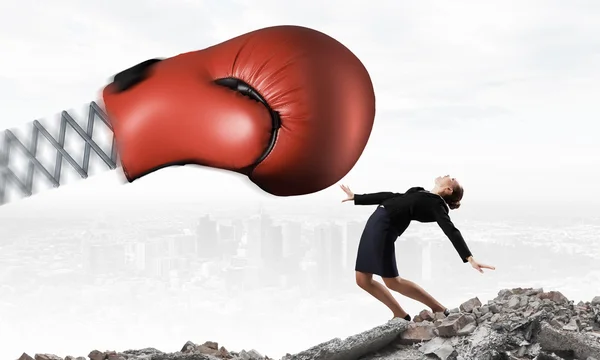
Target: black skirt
376,251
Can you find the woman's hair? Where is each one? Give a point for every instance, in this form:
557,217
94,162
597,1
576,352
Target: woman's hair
453,200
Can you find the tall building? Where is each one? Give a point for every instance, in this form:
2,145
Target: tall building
182,245
207,237
106,258
157,264
426,266
101,251
354,231
135,255
409,256
272,248
227,241
291,239
239,231
330,253
258,231
292,249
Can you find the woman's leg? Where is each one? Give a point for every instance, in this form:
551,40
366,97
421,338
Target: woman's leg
413,291
366,282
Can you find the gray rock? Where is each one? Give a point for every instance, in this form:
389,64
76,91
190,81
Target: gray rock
513,302
504,293
47,357
442,348
354,347
553,297
495,318
468,329
551,339
524,300
469,305
427,315
533,292
494,308
484,318
250,355
450,326
417,332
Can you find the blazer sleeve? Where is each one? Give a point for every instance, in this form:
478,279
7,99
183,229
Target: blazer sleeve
373,198
443,220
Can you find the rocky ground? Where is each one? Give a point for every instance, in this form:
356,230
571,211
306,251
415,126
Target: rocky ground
518,324
210,350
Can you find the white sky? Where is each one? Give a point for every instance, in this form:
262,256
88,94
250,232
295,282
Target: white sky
501,94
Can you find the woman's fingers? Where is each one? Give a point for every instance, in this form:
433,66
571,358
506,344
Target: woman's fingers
346,189
477,267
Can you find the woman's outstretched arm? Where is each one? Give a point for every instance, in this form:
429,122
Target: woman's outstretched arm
374,198
367,199
443,220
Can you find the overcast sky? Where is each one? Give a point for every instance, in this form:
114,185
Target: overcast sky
501,94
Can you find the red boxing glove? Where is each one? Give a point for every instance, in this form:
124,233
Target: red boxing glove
288,106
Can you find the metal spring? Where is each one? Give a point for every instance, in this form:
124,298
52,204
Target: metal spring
12,142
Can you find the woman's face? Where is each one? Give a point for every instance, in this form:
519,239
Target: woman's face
446,182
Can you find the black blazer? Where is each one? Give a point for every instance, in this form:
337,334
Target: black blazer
420,205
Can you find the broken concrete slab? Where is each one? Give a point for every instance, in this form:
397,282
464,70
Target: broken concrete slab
469,305
451,325
417,332
552,339
440,347
354,347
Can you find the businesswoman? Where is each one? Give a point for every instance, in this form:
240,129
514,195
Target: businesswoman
394,213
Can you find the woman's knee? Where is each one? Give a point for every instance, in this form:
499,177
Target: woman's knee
363,279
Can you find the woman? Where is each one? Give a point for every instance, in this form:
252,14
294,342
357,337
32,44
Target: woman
376,252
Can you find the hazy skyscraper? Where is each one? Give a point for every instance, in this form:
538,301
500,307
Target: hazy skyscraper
207,237
156,251
272,245
409,256
227,240
182,245
104,258
354,230
291,239
330,253
258,230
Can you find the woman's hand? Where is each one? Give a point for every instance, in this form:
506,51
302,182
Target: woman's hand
479,266
349,193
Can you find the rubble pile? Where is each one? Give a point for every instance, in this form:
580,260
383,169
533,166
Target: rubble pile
210,350
519,324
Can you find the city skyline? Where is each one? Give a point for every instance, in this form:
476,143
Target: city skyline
217,266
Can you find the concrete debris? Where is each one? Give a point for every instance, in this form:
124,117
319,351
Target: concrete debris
519,324
356,346
209,350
